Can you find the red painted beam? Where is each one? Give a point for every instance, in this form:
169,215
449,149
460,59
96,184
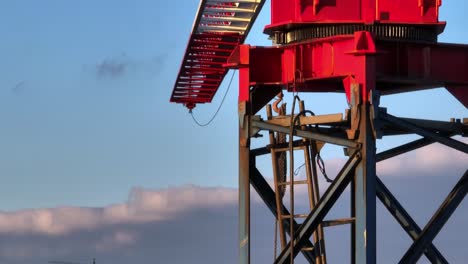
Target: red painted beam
322,65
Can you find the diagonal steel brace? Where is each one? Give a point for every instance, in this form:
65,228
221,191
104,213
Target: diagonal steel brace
405,220
460,146
402,149
437,221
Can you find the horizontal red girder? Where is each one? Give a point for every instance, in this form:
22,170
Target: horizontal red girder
388,66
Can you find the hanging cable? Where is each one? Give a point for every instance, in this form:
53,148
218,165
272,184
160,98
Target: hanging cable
298,169
321,166
276,240
319,160
291,176
219,107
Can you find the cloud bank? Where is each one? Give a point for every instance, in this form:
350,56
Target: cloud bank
143,206
193,224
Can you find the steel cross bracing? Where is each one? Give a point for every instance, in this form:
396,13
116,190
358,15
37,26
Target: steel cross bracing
219,27
359,171
364,69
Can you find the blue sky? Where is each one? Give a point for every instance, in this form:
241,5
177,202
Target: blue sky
84,102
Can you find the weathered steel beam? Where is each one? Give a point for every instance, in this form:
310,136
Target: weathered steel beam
426,133
244,182
308,120
267,149
402,149
441,126
364,193
404,219
305,134
437,221
318,213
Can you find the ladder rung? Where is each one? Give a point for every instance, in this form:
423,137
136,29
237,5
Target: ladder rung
286,149
295,182
295,216
337,222
307,249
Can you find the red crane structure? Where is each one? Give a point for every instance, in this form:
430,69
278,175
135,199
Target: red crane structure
362,48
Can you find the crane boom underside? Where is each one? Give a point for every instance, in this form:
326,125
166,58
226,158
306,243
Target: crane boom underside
219,27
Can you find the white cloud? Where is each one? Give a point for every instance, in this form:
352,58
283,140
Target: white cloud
143,206
202,222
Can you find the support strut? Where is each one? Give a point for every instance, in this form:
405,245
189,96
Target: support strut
404,219
437,221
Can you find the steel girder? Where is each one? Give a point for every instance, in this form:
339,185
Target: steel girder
460,146
324,65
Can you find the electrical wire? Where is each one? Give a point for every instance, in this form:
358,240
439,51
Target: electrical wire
298,169
219,107
319,160
321,166
276,240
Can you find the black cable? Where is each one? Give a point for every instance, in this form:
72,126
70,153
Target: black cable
319,160
298,169
321,166
292,124
219,107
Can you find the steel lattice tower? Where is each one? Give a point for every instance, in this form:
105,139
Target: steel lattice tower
362,48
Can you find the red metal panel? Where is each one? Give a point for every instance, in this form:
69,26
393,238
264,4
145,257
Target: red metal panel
322,65
294,13
415,11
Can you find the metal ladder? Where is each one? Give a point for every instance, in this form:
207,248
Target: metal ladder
279,149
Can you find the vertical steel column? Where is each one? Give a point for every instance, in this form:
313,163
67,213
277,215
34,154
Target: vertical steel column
365,195
363,108
244,183
352,204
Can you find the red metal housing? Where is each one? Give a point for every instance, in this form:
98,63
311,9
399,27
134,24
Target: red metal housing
327,65
324,44
351,11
